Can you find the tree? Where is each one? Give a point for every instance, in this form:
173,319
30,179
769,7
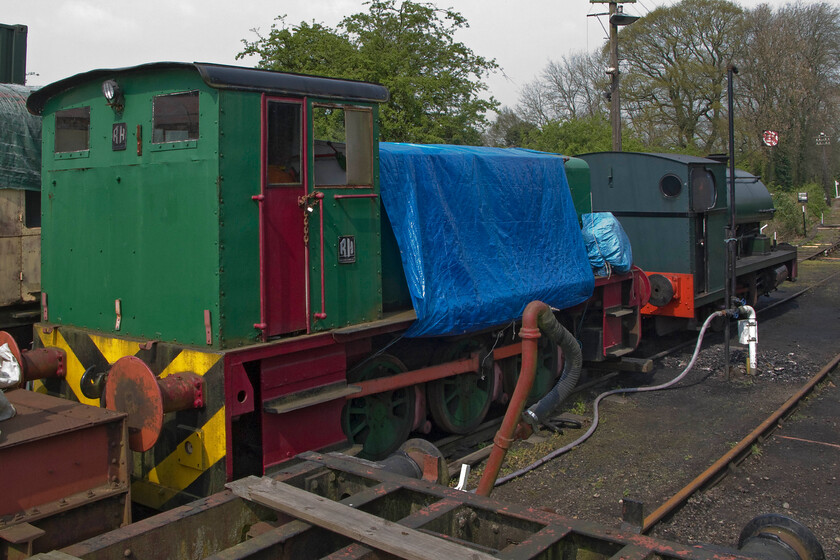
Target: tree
674,87
577,136
790,78
567,89
435,82
508,130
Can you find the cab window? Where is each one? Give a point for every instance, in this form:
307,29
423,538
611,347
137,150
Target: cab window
284,146
175,117
343,145
72,130
703,193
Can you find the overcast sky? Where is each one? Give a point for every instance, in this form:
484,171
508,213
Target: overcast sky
69,37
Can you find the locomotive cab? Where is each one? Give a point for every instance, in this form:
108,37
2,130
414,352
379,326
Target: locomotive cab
199,138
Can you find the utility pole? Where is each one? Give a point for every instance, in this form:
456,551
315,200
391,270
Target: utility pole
824,140
617,18
731,241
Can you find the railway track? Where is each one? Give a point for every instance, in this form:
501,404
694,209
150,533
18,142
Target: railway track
740,451
479,442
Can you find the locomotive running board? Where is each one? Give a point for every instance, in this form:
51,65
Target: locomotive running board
636,365
310,397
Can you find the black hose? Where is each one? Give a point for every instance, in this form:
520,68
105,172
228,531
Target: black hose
561,337
591,430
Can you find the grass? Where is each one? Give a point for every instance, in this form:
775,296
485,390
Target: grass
578,408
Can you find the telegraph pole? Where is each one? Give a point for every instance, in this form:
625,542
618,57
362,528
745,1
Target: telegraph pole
824,140
731,242
617,18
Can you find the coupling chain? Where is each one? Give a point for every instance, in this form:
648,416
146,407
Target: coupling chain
307,203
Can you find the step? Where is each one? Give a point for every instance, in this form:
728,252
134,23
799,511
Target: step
617,351
309,397
619,311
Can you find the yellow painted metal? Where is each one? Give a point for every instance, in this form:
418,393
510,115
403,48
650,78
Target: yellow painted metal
194,455
115,348
173,474
75,369
188,360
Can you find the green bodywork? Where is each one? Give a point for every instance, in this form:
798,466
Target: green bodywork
353,291
141,229
578,175
667,233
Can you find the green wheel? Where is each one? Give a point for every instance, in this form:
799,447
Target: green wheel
459,403
549,363
380,423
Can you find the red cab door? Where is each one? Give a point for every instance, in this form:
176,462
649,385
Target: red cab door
284,267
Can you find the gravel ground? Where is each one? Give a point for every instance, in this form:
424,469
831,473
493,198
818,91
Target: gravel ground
649,445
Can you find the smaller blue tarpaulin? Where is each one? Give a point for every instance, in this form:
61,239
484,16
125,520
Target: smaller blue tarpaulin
482,232
607,244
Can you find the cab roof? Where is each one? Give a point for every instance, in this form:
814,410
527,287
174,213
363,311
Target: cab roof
222,76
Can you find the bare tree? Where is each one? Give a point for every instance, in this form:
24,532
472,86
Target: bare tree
570,88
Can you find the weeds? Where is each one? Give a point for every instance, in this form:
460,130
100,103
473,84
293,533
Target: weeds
578,408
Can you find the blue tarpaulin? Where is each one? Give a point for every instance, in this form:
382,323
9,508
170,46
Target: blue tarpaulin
482,232
607,243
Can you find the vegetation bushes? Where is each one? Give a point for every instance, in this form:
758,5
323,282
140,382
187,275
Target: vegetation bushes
788,218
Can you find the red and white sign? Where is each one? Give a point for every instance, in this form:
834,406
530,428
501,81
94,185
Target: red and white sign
770,138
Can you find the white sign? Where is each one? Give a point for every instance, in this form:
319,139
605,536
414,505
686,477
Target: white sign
770,138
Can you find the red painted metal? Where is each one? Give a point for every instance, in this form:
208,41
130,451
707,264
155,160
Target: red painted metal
285,435
45,315
641,286
41,363
284,259
57,455
416,376
181,391
682,305
612,331
323,314
508,351
208,331
148,345
260,198
530,334
431,373
371,195
284,366
132,388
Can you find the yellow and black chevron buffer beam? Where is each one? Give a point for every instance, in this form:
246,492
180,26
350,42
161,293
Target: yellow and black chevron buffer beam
174,398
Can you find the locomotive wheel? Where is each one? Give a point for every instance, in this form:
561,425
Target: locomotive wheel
459,403
549,364
381,422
